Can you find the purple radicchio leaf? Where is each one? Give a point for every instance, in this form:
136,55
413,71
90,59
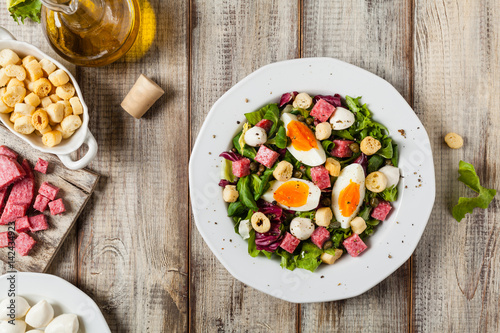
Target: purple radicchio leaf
231,156
333,100
287,98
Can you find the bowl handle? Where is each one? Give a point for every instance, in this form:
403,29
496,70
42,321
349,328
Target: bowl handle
6,35
85,160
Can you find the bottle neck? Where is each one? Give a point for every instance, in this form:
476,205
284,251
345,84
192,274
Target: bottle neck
78,14
66,7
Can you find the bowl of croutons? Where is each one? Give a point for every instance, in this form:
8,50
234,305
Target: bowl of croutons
41,102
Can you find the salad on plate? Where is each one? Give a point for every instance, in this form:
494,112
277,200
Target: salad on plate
310,178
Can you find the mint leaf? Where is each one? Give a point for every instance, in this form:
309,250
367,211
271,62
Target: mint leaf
469,177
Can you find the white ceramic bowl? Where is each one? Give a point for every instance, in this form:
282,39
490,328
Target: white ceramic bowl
394,240
67,146
62,295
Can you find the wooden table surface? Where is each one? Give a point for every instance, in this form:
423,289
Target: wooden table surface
135,249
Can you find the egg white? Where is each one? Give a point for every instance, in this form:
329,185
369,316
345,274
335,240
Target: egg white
356,174
313,157
312,198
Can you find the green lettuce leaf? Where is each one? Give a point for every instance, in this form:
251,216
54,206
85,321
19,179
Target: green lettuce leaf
22,9
309,257
469,177
248,151
273,114
280,140
390,194
245,191
236,209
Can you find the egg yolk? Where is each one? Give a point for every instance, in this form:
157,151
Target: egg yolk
349,199
302,137
292,194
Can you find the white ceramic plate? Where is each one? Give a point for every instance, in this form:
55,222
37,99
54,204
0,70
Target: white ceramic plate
67,146
62,295
394,240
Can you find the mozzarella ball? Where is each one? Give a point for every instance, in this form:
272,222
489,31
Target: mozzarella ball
323,131
392,175
342,119
454,141
255,136
40,314
18,327
324,216
283,171
301,227
20,304
65,323
244,229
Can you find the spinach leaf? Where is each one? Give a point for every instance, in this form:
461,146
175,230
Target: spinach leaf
273,114
249,152
264,183
386,150
344,134
280,140
374,163
365,212
256,116
236,209
246,197
395,155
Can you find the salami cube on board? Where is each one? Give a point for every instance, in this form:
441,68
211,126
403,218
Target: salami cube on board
4,239
23,191
22,224
382,210
3,198
341,148
48,190
10,171
24,244
42,166
322,110
41,203
38,223
12,212
320,236
4,150
321,177
266,156
354,245
289,243
57,207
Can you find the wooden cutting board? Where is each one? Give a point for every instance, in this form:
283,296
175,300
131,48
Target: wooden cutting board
76,189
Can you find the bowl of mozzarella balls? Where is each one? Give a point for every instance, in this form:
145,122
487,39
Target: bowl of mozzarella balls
41,102
18,316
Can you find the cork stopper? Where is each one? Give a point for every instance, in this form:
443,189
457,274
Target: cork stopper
141,97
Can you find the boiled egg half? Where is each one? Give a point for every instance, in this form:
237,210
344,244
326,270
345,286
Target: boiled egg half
295,194
304,147
348,194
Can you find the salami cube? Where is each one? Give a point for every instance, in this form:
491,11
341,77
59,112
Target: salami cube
3,197
266,156
48,190
320,236
322,110
354,245
22,224
321,177
12,212
38,223
24,244
289,243
341,148
41,166
265,124
8,152
4,239
57,207
241,168
10,171
382,210
41,203
23,191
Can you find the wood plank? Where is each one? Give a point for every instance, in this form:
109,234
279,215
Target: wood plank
76,189
230,40
457,80
132,245
64,263
375,35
